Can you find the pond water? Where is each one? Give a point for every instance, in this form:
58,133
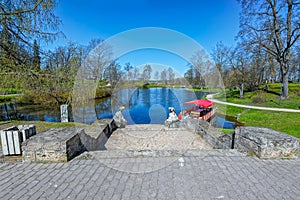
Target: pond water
142,106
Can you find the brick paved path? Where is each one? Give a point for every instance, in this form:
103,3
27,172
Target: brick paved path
202,175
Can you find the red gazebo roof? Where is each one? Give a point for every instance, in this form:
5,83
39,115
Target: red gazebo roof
203,103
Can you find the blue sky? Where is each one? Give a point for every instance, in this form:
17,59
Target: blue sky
205,21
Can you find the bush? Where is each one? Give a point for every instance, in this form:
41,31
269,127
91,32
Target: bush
259,97
5,99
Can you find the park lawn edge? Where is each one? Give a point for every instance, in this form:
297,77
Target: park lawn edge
285,122
42,125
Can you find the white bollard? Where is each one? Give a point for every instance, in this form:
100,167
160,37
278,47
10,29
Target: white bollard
12,138
64,113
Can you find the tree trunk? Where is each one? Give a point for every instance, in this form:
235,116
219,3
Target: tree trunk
285,86
241,88
284,68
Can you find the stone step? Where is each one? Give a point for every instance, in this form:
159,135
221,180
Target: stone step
150,127
160,153
150,161
143,127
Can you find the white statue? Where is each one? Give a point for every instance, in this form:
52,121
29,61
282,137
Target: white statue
119,118
172,121
172,115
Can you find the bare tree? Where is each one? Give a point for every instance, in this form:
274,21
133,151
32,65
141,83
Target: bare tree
128,69
97,60
171,76
274,24
200,64
294,74
189,74
156,76
22,21
163,76
220,54
271,73
146,73
239,64
136,73
113,73
257,59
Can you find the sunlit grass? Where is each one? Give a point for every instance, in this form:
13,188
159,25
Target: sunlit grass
281,121
41,125
225,130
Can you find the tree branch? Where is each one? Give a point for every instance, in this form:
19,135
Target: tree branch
17,12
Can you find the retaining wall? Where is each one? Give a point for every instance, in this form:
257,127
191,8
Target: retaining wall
63,144
266,143
263,142
97,135
213,136
53,145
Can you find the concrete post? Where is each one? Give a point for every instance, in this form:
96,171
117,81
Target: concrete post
64,113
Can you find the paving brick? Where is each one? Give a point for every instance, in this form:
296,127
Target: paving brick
208,177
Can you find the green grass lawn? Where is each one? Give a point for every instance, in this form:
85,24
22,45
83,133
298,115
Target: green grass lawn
225,131
42,126
281,121
263,98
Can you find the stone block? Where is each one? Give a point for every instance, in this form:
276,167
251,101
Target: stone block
173,124
266,143
97,135
211,135
53,145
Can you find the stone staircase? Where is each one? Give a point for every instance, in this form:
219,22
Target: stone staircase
154,137
147,161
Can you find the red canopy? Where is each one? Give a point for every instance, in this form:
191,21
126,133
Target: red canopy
203,103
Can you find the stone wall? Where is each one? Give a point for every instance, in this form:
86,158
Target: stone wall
263,142
266,143
63,144
53,145
97,135
213,136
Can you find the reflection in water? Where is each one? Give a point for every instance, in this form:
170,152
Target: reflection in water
223,123
143,106
157,114
146,106
103,108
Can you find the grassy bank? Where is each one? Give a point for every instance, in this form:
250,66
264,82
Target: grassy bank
5,98
40,125
209,90
265,98
281,121
9,94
